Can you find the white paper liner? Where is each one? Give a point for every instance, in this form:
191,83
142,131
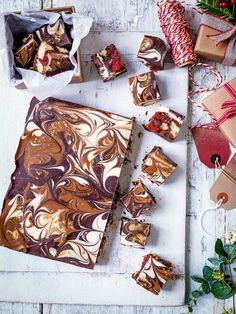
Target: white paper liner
13,25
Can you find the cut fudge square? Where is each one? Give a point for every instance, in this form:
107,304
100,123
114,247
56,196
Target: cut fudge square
154,273
134,233
144,89
138,199
166,123
152,52
158,166
54,34
26,52
108,63
51,60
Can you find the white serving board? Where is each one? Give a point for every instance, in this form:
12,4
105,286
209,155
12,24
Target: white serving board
110,282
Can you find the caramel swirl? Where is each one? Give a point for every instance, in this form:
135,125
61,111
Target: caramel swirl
68,164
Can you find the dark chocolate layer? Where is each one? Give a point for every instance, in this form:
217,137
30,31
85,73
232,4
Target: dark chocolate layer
68,164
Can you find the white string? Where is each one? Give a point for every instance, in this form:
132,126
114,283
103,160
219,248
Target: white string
217,206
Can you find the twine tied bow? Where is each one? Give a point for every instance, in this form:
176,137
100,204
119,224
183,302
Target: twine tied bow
229,104
226,31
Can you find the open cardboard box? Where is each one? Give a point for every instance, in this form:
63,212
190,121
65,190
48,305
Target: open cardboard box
78,76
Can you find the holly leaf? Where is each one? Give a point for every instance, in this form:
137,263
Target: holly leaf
219,248
197,279
221,290
214,261
207,273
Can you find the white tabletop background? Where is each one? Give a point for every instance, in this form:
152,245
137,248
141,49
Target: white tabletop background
140,15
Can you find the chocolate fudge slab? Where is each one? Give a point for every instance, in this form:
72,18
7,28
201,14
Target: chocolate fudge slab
108,63
165,123
152,52
154,273
158,166
54,34
138,199
144,89
51,60
27,50
68,163
134,233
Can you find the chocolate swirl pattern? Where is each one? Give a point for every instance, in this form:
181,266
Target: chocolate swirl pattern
55,34
68,164
138,199
152,52
134,233
158,166
144,89
154,273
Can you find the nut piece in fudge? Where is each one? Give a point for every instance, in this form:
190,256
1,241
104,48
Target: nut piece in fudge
152,52
144,89
154,273
166,123
55,34
51,60
138,199
27,50
158,166
134,233
109,63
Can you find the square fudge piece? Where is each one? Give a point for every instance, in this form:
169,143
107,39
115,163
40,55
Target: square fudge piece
27,50
138,199
51,60
144,89
54,34
154,273
63,187
134,233
166,123
158,166
152,52
108,63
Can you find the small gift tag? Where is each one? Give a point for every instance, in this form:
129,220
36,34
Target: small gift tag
211,145
225,186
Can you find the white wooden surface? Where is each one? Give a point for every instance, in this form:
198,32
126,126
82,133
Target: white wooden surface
120,16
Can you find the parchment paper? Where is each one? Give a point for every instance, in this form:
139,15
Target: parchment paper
13,25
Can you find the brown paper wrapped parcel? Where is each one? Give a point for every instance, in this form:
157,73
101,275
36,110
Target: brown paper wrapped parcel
216,40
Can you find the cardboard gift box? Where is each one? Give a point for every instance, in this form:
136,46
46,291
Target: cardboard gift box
222,105
215,41
78,75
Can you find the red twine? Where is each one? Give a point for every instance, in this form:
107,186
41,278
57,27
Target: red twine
217,83
176,30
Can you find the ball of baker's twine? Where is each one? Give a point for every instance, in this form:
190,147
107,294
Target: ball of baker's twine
176,30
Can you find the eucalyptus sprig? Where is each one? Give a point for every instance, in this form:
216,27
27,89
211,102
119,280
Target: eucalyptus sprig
216,276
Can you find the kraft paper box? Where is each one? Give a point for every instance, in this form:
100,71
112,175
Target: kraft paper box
213,104
206,47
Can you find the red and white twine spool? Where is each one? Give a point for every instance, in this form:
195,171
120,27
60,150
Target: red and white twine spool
176,30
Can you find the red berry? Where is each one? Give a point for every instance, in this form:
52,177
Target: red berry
223,4
233,1
116,66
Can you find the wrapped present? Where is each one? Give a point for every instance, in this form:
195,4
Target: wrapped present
216,40
222,105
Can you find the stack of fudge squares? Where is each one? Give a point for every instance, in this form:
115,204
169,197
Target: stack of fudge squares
156,166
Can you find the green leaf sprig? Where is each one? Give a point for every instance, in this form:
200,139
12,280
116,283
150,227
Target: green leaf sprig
216,278
213,7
